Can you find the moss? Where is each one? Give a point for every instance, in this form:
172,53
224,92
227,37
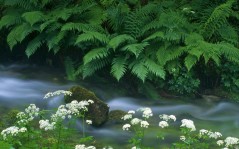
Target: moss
97,112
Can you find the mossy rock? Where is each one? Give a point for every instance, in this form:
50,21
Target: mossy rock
116,115
97,112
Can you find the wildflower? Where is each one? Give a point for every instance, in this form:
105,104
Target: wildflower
214,135
147,112
166,117
172,117
220,142
84,147
127,116
108,147
144,124
56,93
90,101
188,124
230,141
89,122
203,132
131,112
163,124
182,138
135,121
46,125
126,127
12,131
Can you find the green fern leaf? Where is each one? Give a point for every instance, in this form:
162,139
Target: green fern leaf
120,39
73,26
190,61
91,67
33,45
33,17
46,24
139,69
55,40
92,36
18,33
97,53
155,68
9,20
118,68
158,34
136,48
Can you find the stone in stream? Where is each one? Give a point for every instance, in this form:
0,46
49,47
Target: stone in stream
115,116
97,112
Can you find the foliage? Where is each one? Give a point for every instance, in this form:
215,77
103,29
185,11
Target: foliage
144,38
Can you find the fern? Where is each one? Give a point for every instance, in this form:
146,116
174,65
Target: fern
9,20
155,68
120,39
118,68
139,69
74,26
34,45
136,48
33,17
189,61
97,53
92,37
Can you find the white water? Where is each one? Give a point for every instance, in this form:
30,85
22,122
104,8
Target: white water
16,92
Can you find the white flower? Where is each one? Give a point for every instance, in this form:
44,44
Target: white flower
214,135
46,125
163,124
134,147
131,112
166,117
12,131
230,141
182,138
90,101
126,127
220,142
135,121
188,124
56,93
82,146
127,116
89,122
203,132
172,117
108,147
144,124
147,113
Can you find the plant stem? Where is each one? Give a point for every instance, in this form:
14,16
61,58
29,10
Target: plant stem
59,137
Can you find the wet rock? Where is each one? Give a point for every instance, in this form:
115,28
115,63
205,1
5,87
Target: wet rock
97,112
116,115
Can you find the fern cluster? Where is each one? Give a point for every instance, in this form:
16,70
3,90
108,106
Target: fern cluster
147,40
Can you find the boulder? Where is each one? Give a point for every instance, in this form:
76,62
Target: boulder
97,112
115,116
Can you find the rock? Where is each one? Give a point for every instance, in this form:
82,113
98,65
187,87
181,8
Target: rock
116,115
97,112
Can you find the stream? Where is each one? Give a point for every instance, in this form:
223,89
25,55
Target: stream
21,85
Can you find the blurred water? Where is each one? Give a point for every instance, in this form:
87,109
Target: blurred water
17,91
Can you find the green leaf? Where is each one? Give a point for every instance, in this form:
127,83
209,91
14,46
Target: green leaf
91,36
9,20
118,68
120,39
158,34
95,54
33,17
190,61
140,70
73,26
136,48
155,68
33,45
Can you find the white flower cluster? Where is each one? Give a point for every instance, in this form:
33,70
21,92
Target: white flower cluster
46,125
89,122
165,119
231,141
147,112
73,108
210,134
82,146
144,124
127,116
126,127
188,124
108,147
56,93
135,121
182,138
12,131
30,113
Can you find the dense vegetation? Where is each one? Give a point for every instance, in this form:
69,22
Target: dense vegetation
179,45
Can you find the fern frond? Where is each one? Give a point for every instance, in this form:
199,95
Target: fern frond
91,67
91,36
46,24
33,17
118,68
190,61
217,19
55,40
140,70
74,26
33,45
18,33
120,39
136,48
97,53
155,68
9,20
158,34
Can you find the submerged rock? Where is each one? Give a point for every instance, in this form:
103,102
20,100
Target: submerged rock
115,116
97,112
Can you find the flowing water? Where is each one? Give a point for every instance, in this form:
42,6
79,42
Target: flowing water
19,87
